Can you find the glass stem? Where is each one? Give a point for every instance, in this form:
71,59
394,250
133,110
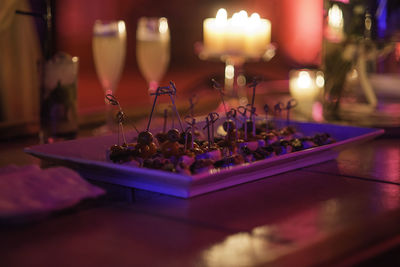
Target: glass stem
235,81
153,85
109,116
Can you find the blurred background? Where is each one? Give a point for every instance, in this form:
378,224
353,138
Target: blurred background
297,31
296,28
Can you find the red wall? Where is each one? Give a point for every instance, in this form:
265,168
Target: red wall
296,26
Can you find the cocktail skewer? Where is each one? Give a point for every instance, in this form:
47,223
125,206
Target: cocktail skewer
234,115
166,90
213,118
253,85
186,138
192,124
228,119
290,104
120,115
278,111
267,110
208,132
192,102
218,87
243,110
172,117
165,120
253,119
121,119
156,94
172,94
193,127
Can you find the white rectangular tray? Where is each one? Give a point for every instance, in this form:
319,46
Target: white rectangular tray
88,156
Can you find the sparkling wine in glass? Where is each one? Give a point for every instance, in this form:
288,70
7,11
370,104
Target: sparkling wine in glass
153,49
109,48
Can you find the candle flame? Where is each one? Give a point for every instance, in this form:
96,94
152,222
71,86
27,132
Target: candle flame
229,72
255,18
304,80
239,19
243,14
249,35
335,16
163,28
221,18
319,80
235,19
121,26
222,14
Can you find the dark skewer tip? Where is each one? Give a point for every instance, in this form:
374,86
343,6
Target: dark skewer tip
216,84
266,108
291,103
112,99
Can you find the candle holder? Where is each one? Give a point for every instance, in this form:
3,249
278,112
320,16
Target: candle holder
235,41
306,86
234,78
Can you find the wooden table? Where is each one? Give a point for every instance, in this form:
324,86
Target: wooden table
340,212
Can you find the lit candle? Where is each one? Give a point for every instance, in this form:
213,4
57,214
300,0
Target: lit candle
239,34
235,33
334,31
214,31
305,86
258,34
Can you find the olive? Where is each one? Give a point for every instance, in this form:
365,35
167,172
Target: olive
238,159
145,138
197,150
146,151
161,137
170,149
296,144
116,148
173,135
120,154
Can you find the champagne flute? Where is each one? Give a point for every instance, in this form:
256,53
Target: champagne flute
153,49
109,48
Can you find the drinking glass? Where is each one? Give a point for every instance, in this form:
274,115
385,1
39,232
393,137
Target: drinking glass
109,48
153,49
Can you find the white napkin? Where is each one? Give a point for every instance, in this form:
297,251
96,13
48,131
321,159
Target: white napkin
28,190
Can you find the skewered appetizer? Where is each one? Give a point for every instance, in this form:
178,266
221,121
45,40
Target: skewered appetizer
224,151
241,140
